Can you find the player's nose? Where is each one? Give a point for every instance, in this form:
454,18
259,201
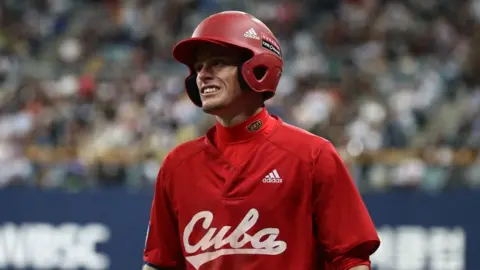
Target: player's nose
205,73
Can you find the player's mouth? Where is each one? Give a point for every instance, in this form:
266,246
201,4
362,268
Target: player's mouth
209,90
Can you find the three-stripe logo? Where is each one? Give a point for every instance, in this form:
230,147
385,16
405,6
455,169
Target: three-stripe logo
273,177
251,34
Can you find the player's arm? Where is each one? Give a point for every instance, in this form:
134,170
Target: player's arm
344,228
162,247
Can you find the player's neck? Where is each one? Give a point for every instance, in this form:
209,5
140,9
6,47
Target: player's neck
233,120
258,123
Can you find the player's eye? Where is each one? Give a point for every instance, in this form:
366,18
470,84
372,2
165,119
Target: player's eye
218,62
213,63
198,67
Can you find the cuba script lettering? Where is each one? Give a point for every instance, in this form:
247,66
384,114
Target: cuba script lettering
234,243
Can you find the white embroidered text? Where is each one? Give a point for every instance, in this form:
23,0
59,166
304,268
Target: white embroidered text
237,239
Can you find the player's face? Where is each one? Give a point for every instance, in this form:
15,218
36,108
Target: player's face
217,78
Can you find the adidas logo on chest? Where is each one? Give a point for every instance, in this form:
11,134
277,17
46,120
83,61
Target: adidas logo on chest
272,178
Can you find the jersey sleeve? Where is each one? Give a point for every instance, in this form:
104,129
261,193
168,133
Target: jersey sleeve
162,246
343,225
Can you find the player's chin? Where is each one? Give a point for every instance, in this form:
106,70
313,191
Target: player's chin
212,106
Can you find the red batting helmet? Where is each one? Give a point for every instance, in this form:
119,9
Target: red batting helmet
240,30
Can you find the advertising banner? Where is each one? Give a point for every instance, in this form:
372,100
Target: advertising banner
106,229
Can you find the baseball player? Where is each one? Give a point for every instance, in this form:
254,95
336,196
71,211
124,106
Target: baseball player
254,193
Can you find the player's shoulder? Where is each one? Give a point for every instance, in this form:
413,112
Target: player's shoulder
298,141
183,152
291,135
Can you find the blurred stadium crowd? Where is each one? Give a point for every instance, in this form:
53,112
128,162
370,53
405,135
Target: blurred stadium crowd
90,96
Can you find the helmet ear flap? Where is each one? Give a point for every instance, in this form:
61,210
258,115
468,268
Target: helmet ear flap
192,89
262,73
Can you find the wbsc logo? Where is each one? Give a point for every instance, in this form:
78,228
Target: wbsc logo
409,247
45,246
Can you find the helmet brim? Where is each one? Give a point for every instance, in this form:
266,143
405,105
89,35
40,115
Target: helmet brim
185,51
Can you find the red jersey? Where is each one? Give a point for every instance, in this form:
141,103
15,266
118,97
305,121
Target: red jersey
261,195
